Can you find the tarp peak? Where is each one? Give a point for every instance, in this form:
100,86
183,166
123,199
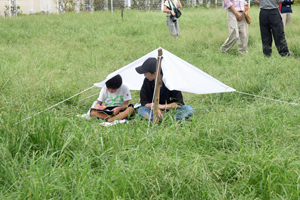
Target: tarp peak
177,75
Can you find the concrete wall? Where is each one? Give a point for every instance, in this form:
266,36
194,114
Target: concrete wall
31,6
50,6
2,8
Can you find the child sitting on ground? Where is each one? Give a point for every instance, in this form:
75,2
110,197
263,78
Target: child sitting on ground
116,96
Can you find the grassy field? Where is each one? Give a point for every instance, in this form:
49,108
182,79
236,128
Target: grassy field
234,147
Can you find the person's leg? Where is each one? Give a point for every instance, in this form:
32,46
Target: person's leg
122,115
98,114
278,33
233,32
177,27
184,112
171,26
243,33
145,112
284,15
265,32
288,18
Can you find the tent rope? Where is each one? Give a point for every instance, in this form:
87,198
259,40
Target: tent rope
55,105
296,104
89,97
149,117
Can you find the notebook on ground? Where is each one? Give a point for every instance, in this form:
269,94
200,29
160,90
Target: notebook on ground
107,110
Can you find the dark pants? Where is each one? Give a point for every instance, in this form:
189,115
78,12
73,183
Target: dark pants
271,24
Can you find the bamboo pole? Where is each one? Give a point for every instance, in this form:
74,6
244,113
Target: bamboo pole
158,85
122,8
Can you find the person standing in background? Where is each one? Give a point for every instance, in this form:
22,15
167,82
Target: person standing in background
172,21
286,12
270,23
237,25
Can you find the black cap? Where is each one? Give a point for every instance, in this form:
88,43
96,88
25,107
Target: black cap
148,66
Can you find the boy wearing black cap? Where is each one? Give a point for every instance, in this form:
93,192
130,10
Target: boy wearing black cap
116,96
168,100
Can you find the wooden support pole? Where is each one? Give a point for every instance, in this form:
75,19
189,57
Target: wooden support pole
158,85
122,9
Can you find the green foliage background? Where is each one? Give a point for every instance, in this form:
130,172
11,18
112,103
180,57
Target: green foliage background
234,147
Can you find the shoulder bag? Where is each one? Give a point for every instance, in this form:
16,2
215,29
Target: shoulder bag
176,10
248,19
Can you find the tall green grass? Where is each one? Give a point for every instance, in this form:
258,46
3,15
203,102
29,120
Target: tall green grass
234,147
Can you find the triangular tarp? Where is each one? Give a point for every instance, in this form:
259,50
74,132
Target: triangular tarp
177,75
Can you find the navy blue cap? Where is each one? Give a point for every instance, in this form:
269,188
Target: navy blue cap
148,66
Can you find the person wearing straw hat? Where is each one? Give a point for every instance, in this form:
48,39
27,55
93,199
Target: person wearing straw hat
169,101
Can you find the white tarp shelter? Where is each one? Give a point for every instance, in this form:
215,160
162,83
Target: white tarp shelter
177,75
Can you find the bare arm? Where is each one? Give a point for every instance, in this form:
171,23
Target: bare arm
256,2
237,14
166,10
164,106
169,106
119,108
179,4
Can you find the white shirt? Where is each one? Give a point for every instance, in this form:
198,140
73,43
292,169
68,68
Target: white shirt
115,99
175,2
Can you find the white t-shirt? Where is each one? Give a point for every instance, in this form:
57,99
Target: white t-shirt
114,99
175,2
